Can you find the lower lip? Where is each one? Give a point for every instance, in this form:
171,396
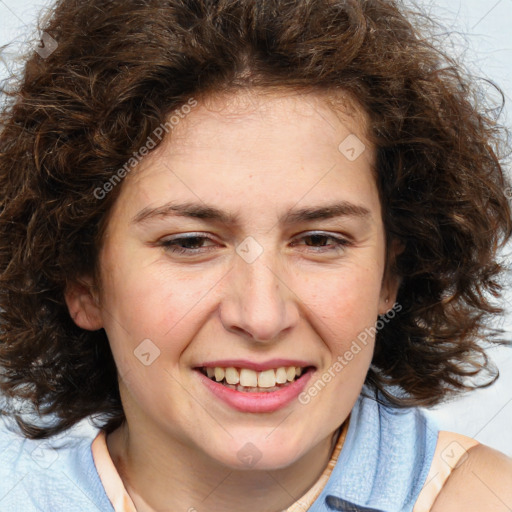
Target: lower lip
269,401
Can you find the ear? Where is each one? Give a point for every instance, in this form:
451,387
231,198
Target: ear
390,281
83,304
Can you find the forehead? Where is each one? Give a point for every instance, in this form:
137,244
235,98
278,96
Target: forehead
259,148
271,112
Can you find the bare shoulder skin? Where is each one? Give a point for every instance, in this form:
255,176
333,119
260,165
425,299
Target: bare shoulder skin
482,483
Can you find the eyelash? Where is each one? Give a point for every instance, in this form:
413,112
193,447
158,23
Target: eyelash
171,244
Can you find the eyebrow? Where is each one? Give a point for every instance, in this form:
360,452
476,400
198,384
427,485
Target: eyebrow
212,214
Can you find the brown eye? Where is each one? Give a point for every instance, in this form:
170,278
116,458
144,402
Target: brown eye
186,244
323,241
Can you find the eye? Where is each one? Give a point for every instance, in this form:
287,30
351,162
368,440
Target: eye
320,240
191,244
195,243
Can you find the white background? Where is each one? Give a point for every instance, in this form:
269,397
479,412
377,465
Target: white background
483,34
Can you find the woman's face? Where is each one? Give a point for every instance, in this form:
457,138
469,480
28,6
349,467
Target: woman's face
251,240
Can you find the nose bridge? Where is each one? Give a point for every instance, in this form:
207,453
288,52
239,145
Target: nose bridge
258,303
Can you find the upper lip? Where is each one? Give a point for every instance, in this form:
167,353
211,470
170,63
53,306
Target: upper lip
252,365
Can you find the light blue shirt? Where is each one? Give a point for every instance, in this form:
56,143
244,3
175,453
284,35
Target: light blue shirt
382,466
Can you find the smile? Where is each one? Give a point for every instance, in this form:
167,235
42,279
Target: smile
255,388
247,380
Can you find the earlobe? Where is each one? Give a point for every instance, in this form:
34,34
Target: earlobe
391,281
83,305
388,295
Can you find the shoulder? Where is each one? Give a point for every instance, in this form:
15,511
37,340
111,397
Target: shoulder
386,456
482,481
53,474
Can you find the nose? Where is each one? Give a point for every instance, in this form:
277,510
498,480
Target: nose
259,302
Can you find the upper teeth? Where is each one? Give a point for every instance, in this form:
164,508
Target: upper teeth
250,378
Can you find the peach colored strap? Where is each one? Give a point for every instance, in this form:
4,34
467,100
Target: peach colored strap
112,483
307,499
451,452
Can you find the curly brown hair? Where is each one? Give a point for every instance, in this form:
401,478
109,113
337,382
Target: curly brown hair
122,66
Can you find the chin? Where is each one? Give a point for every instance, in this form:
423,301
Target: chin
263,454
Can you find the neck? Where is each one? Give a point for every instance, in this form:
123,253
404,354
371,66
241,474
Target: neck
176,478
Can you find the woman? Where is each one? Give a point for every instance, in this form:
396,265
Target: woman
249,238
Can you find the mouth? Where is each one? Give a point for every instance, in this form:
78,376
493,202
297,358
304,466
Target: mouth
248,380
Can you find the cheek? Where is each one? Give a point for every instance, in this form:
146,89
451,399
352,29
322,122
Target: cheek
343,304
152,316
145,301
